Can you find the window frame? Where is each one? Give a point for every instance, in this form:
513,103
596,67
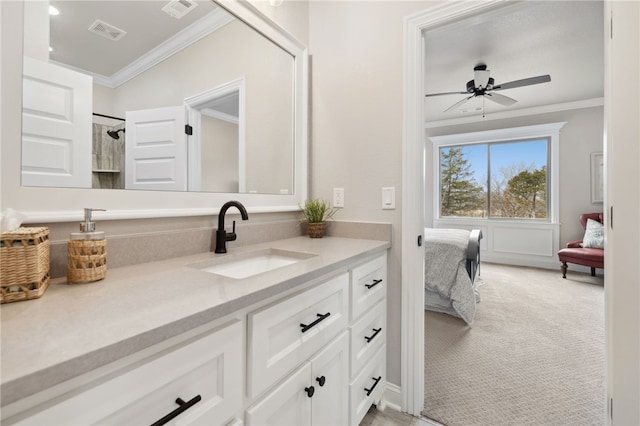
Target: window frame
550,131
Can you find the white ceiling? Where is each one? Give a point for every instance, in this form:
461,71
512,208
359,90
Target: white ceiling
144,22
564,39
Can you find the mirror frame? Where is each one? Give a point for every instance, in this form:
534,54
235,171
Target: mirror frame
40,204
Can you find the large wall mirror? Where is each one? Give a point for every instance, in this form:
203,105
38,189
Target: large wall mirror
229,96
150,95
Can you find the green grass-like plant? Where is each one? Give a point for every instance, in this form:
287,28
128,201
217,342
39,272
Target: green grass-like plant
317,210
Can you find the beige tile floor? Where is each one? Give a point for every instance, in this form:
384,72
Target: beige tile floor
390,417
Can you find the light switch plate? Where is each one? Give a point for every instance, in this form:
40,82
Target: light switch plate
388,198
338,197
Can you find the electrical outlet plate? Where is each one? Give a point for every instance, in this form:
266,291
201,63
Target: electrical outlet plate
338,197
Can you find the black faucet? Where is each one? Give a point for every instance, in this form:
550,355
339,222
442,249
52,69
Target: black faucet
221,235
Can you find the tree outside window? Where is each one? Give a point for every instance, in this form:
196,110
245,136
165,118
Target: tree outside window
516,173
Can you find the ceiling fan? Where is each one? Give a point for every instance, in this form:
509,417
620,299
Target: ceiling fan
482,85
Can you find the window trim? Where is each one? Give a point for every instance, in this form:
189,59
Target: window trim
549,130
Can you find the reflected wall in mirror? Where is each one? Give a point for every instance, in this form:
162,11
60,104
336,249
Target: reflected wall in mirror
124,94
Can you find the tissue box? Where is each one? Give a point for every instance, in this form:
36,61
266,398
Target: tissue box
24,264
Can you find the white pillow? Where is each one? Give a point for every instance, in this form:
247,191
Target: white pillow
593,235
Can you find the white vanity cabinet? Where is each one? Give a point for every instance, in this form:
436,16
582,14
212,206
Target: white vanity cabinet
314,394
205,372
338,384
314,354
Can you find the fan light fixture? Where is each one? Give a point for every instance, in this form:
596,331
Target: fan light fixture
483,85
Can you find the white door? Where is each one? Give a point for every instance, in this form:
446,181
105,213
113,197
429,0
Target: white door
156,149
329,377
56,126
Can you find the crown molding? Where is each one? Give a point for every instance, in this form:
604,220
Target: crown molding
564,106
196,31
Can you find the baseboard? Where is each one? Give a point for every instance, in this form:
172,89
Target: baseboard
393,397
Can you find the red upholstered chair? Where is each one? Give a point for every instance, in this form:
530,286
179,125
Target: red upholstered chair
574,253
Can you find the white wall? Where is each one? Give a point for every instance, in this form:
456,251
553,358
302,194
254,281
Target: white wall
356,121
219,155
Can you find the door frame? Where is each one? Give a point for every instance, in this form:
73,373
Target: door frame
413,203
194,104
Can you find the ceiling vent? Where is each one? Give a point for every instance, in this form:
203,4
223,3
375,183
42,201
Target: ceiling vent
107,30
178,8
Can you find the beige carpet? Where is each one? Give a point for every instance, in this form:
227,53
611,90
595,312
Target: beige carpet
534,354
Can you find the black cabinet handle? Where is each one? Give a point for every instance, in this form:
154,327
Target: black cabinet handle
370,338
321,380
183,406
376,381
321,317
310,391
375,283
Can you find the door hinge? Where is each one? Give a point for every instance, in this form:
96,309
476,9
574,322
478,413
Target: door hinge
611,218
188,129
611,25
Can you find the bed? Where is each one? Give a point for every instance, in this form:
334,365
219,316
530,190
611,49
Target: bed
452,265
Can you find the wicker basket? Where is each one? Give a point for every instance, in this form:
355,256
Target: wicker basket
315,230
24,264
86,260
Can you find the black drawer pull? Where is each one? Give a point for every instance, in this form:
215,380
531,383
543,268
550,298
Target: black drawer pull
321,380
306,327
375,283
376,381
183,406
370,338
310,391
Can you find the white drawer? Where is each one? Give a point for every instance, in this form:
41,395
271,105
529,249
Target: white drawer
368,285
286,333
210,366
368,334
368,387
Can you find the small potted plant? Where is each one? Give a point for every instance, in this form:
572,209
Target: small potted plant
316,212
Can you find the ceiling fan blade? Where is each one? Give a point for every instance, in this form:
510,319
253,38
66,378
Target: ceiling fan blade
446,93
524,82
481,78
457,104
500,99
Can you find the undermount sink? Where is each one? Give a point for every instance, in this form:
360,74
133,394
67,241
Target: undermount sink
244,265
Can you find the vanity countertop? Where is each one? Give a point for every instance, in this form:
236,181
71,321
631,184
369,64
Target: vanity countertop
73,329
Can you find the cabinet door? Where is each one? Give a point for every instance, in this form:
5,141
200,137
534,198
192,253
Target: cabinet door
209,367
329,377
288,332
287,404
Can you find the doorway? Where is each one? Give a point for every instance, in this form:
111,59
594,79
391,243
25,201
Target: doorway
415,212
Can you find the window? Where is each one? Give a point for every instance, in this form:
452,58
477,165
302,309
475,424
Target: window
500,174
496,179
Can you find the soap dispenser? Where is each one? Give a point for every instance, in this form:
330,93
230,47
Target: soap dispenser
87,252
